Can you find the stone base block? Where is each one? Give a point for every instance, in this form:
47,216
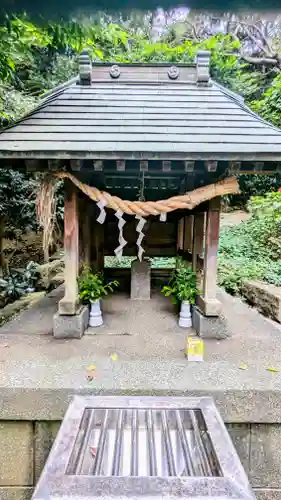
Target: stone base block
209,327
209,307
68,307
140,280
71,327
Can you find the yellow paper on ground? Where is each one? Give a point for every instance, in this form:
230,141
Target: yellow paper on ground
194,350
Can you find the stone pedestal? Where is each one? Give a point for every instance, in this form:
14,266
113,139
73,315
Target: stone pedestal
209,327
140,280
71,326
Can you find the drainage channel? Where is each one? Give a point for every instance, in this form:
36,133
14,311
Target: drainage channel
144,442
130,447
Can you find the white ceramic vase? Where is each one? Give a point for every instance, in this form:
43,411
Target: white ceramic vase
185,315
95,314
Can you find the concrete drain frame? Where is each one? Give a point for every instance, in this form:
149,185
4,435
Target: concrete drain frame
127,447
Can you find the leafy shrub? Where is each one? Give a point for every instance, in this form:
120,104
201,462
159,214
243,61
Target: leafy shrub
92,286
252,249
17,283
182,285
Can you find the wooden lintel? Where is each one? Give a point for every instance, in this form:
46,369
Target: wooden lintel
262,172
75,165
121,165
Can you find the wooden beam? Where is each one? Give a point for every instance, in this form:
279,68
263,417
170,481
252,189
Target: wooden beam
208,302
68,305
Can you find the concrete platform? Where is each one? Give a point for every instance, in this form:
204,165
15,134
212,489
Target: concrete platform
44,372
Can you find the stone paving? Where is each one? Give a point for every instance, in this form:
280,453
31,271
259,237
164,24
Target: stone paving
143,330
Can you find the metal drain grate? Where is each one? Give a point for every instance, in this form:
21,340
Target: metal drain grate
130,447
143,442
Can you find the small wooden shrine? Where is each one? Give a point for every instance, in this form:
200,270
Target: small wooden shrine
137,141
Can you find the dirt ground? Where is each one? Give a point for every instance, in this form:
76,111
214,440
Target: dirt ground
233,218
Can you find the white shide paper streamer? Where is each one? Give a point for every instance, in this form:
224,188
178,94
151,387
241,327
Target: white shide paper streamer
139,229
122,242
102,216
163,217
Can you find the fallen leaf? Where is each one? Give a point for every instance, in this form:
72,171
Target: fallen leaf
91,368
93,451
274,370
114,356
243,366
4,345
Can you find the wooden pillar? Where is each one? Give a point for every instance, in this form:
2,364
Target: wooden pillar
188,233
97,251
198,237
68,305
208,302
86,233
180,234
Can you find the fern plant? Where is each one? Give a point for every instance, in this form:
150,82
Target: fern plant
92,287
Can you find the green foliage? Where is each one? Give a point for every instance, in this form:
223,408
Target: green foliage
92,287
37,57
17,283
17,205
31,275
182,285
269,105
252,249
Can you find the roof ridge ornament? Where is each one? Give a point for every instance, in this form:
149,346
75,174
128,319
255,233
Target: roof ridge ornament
203,67
85,68
173,72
